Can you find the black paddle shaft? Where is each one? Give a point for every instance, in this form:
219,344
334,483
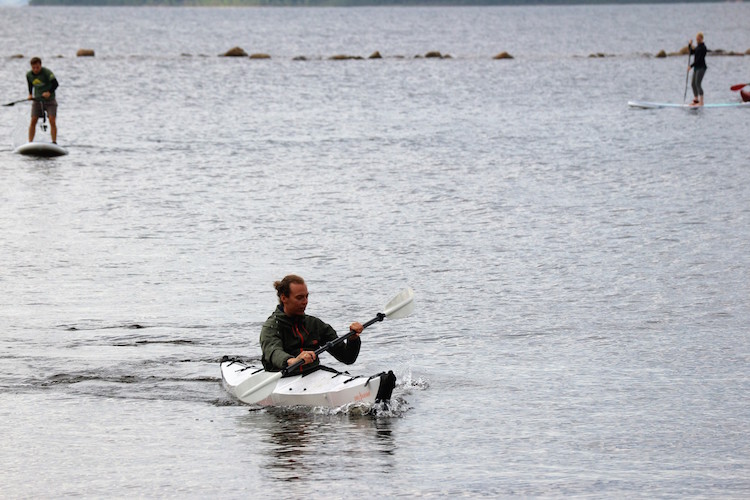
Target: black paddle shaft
333,343
687,76
20,100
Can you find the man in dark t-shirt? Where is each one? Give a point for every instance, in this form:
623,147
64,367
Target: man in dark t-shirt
42,84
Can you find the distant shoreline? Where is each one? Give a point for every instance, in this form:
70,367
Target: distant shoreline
343,3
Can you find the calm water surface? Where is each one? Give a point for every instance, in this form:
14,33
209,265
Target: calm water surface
581,268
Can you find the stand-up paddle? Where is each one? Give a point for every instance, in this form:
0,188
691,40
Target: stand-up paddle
687,75
737,87
15,102
261,385
43,125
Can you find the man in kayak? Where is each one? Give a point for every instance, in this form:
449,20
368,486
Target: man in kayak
699,68
42,84
289,335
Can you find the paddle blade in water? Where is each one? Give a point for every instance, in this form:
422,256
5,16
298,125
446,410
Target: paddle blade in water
738,86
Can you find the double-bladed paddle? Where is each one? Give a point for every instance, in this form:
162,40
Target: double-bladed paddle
738,86
262,384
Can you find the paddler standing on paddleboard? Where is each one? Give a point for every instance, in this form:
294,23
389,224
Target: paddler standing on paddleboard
289,335
42,84
699,68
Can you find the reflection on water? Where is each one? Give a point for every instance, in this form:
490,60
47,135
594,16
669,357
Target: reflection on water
299,443
293,439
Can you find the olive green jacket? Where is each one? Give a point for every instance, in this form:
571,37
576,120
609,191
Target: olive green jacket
283,337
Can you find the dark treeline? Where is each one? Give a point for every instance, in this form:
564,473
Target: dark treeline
351,3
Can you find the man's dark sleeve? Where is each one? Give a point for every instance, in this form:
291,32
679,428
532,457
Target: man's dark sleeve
347,351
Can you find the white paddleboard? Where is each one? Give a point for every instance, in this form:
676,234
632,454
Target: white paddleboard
46,149
657,105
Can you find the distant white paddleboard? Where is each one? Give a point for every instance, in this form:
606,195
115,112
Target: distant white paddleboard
45,149
656,105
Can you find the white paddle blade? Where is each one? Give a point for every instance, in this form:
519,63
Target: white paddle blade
257,388
401,305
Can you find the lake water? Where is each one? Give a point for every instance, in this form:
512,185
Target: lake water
581,268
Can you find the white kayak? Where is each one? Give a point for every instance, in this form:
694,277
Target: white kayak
45,149
657,105
322,387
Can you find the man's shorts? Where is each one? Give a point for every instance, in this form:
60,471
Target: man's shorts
49,106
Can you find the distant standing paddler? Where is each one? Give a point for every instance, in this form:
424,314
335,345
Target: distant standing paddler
42,85
699,68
